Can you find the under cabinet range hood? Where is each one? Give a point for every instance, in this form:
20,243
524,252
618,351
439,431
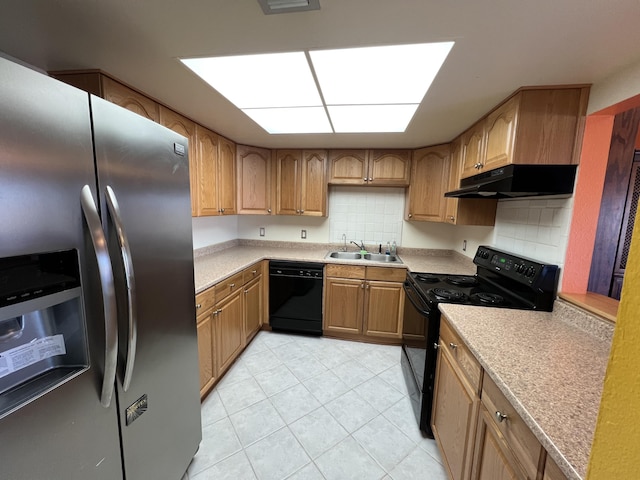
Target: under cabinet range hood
518,181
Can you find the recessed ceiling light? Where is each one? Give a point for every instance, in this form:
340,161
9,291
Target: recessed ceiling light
285,6
390,81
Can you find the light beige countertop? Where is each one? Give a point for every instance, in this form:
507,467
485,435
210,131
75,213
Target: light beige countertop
550,366
214,264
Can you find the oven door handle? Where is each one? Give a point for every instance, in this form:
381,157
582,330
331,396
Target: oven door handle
415,299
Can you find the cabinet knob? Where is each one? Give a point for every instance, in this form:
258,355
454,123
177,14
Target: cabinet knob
246,291
436,346
371,179
301,212
365,179
198,305
453,345
500,417
268,210
222,210
410,215
297,211
362,285
231,285
253,272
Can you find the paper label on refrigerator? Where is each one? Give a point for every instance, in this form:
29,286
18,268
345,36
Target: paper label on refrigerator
23,356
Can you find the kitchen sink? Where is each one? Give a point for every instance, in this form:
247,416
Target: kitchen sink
345,255
372,257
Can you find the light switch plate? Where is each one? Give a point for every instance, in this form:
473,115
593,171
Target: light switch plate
262,231
303,234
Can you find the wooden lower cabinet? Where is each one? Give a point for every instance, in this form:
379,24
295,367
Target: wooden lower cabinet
253,307
206,358
552,471
455,410
363,302
229,328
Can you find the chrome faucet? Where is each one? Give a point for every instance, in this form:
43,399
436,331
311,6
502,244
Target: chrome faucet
359,245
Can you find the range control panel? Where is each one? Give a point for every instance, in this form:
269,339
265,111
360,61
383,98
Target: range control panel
522,269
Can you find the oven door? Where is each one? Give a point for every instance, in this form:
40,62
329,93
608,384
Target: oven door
421,325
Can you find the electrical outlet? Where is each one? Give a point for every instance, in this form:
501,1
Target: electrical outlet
262,231
464,245
303,234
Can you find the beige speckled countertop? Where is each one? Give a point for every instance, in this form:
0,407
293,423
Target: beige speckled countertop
550,366
212,265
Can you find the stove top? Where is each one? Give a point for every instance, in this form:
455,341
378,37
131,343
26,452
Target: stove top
502,280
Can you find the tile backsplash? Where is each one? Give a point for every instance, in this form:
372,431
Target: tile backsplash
535,228
371,214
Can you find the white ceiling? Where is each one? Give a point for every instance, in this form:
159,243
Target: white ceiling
500,46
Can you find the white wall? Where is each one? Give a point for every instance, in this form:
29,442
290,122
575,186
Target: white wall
283,228
211,230
617,87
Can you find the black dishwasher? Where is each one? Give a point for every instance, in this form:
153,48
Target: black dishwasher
295,296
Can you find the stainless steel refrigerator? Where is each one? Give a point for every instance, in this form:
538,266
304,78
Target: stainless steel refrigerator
98,351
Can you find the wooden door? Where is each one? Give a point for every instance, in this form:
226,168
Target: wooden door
206,153
455,408
430,179
389,168
348,167
127,98
343,305
313,183
229,329
500,134
186,128
206,358
473,150
254,180
227,176
384,305
287,171
493,459
253,307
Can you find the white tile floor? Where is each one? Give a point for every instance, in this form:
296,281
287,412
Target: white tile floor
295,407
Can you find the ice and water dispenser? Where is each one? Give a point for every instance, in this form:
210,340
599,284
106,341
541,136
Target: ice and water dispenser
43,340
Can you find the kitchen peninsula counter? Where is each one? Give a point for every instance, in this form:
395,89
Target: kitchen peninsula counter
214,264
549,365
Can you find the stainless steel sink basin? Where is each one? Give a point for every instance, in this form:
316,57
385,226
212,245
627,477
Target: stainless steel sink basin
381,257
345,255
372,257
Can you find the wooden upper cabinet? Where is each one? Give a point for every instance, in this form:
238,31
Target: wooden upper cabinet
254,180
389,168
227,176
127,98
348,167
540,126
207,161
300,182
472,150
430,179
186,128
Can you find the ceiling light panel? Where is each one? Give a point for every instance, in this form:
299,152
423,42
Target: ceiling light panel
270,7
378,75
291,120
260,81
371,118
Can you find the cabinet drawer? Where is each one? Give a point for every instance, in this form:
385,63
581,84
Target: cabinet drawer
466,361
227,286
524,444
205,301
252,272
386,274
345,271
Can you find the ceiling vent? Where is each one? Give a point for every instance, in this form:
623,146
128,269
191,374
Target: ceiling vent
269,7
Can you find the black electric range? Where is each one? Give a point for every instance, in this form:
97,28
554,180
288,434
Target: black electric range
502,280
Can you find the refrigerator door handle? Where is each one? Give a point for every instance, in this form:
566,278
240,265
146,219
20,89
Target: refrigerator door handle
105,271
125,254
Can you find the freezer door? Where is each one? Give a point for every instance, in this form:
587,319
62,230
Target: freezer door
143,178
61,430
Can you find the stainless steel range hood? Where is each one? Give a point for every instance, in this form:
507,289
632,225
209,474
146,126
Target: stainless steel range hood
518,181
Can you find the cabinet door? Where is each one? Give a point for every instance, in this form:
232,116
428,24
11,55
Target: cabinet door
287,170
343,305
127,98
186,128
455,408
229,330
348,167
430,179
206,153
389,168
253,307
254,180
552,471
313,183
493,460
227,176
451,204
500,134
206,358
383,310
472,150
